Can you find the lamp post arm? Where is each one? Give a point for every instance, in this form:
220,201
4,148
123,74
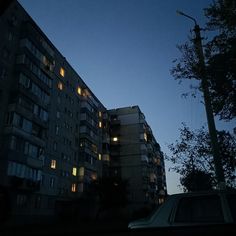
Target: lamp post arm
190,17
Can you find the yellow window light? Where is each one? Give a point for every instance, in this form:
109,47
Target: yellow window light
62,72
99,156
81,171
106,157
60,86
79,90
73,188
145,136
53,164
74,171
94,176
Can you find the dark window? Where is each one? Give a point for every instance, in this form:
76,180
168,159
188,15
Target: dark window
37,203
202,209
232,205
54,146
6,53
21,201
51,203
3,73
52,182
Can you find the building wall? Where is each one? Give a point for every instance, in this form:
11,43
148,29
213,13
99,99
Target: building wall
51,127
136,156
56,137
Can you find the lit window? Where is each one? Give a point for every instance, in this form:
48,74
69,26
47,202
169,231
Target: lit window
100,114
60,85
73,188
62,72
100,124
145,136
161,200
81,171
94,148
106,157
94,176
99,156
115,139
79,91
74,171
152,177
53,164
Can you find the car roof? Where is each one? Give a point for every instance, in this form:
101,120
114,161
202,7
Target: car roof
201,193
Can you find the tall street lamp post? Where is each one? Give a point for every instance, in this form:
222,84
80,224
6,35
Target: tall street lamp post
207,99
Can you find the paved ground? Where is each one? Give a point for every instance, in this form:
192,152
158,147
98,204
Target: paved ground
81,228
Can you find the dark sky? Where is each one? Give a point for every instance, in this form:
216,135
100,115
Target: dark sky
123,50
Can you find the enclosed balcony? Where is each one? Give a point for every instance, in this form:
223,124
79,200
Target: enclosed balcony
35,163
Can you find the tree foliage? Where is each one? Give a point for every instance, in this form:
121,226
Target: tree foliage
220,58
196,180
112,191
192,156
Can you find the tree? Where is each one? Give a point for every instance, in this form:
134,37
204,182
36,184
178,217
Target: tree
112,193
196,180
192,155
220,58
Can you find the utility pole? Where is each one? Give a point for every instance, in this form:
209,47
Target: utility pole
208,106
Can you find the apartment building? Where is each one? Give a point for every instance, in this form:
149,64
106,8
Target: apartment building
52,126
136,156
56,137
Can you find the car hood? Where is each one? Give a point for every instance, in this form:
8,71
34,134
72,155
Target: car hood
141,223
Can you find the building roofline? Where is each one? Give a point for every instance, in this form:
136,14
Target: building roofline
35,25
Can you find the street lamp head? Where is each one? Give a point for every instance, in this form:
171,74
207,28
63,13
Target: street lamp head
190,17
179,12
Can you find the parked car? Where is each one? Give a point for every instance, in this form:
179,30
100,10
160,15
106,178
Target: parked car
192,213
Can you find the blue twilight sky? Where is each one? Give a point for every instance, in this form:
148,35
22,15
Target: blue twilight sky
123,50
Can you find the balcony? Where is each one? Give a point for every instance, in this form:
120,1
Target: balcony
20,109
81,178
106,139
152,188
24,184
115,149
105,116
89,166
144,158
19,132
88,136
149,147
105,149
115,122
106,157
35,163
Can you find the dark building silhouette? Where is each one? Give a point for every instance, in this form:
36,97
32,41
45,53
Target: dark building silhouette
56,137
